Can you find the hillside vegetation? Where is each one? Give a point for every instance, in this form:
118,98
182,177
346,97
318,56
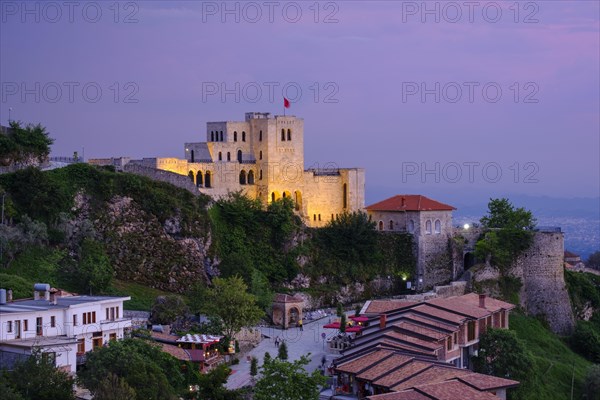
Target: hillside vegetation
93,230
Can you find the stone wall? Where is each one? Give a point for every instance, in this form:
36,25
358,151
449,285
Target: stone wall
544,291
174,179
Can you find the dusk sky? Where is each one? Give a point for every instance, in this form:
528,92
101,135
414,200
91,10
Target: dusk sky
510,87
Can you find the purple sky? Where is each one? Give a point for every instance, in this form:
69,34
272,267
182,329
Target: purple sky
371,57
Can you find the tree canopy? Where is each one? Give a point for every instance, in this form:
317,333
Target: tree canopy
229,301
509,232
283,380
36,378
23,144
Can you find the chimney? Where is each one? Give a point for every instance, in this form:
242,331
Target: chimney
482,300
382,321
403,202
9,296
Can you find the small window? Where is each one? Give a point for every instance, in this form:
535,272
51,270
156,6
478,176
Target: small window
428,227
449,344
74,319
470,331
260,136
25,325
438,226
212,136
289,134
250,177
242,177
283,135
411,226
391,225
9,326
239,156
319,217
220,156
260,155
228,156
380,225
80,346
314,217
243,136
221,134
235,136
38,326
260,175
53,321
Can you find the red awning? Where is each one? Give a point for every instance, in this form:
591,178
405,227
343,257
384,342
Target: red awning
333,325
352,329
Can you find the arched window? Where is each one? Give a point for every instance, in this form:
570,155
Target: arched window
411,226
243,136
199,179
212,136
191,175
289,136
314,217
192,156
332,217
272,197
391,225
438,226
239,156
260,155
228,156
221,136
235,136
284,195
319,217
242,177
260,175
380,225
260,136
220,156
428,227
207,182
251,178
283,135
345,195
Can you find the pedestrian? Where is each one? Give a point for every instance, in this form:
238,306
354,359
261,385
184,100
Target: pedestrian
277,341
300,324
323,361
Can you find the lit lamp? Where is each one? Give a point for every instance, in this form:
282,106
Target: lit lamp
466,226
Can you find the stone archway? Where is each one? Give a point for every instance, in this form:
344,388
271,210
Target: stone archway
468,261
287,310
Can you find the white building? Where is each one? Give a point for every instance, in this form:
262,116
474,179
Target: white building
63,327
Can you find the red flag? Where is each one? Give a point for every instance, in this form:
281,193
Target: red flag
286,103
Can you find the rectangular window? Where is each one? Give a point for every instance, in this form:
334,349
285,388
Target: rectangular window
107,315
84,318
96,342
53,321
112,337
25,325
449,343
74,319
455,334
117,313
470,331
481,326
9,326
49,357
38,326
93,317
112,313
80,346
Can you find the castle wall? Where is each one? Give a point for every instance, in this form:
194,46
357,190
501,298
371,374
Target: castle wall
163,176
434,263
544,290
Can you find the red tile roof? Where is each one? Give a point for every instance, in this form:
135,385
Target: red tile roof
409,202
453,390
487,382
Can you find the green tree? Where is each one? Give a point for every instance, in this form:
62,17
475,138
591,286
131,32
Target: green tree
586,341
166,309
152,373
94,272
24,144
502,354
282,380
229,301
593,260
261,288
343,323
282,352
212,385
253,367
38,378
509,232
592,383
114,388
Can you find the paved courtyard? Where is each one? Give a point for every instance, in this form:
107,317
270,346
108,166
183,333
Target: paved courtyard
299,343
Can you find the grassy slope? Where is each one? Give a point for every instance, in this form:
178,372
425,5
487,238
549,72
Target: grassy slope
554,361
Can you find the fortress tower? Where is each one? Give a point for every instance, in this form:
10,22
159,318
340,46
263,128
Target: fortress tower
263,156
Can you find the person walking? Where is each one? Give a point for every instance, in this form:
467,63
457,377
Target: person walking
300,324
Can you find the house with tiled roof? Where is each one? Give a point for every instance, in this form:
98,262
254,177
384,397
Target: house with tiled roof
444,329
429,222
